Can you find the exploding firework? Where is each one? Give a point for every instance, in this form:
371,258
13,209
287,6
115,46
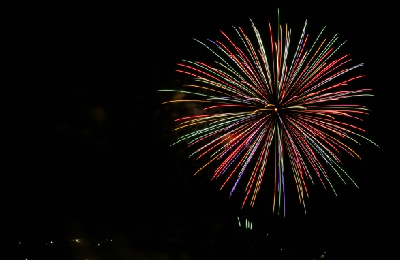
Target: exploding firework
274,108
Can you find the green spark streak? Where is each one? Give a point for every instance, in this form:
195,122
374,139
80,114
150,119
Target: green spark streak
186,92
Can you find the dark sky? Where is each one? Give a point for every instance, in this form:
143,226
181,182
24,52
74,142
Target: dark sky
90,153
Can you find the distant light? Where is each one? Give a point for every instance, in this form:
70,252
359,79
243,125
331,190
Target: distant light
111,240
98,244
51,242
19,243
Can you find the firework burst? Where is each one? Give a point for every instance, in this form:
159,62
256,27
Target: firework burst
275,108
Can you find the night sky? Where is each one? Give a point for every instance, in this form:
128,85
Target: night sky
88,154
